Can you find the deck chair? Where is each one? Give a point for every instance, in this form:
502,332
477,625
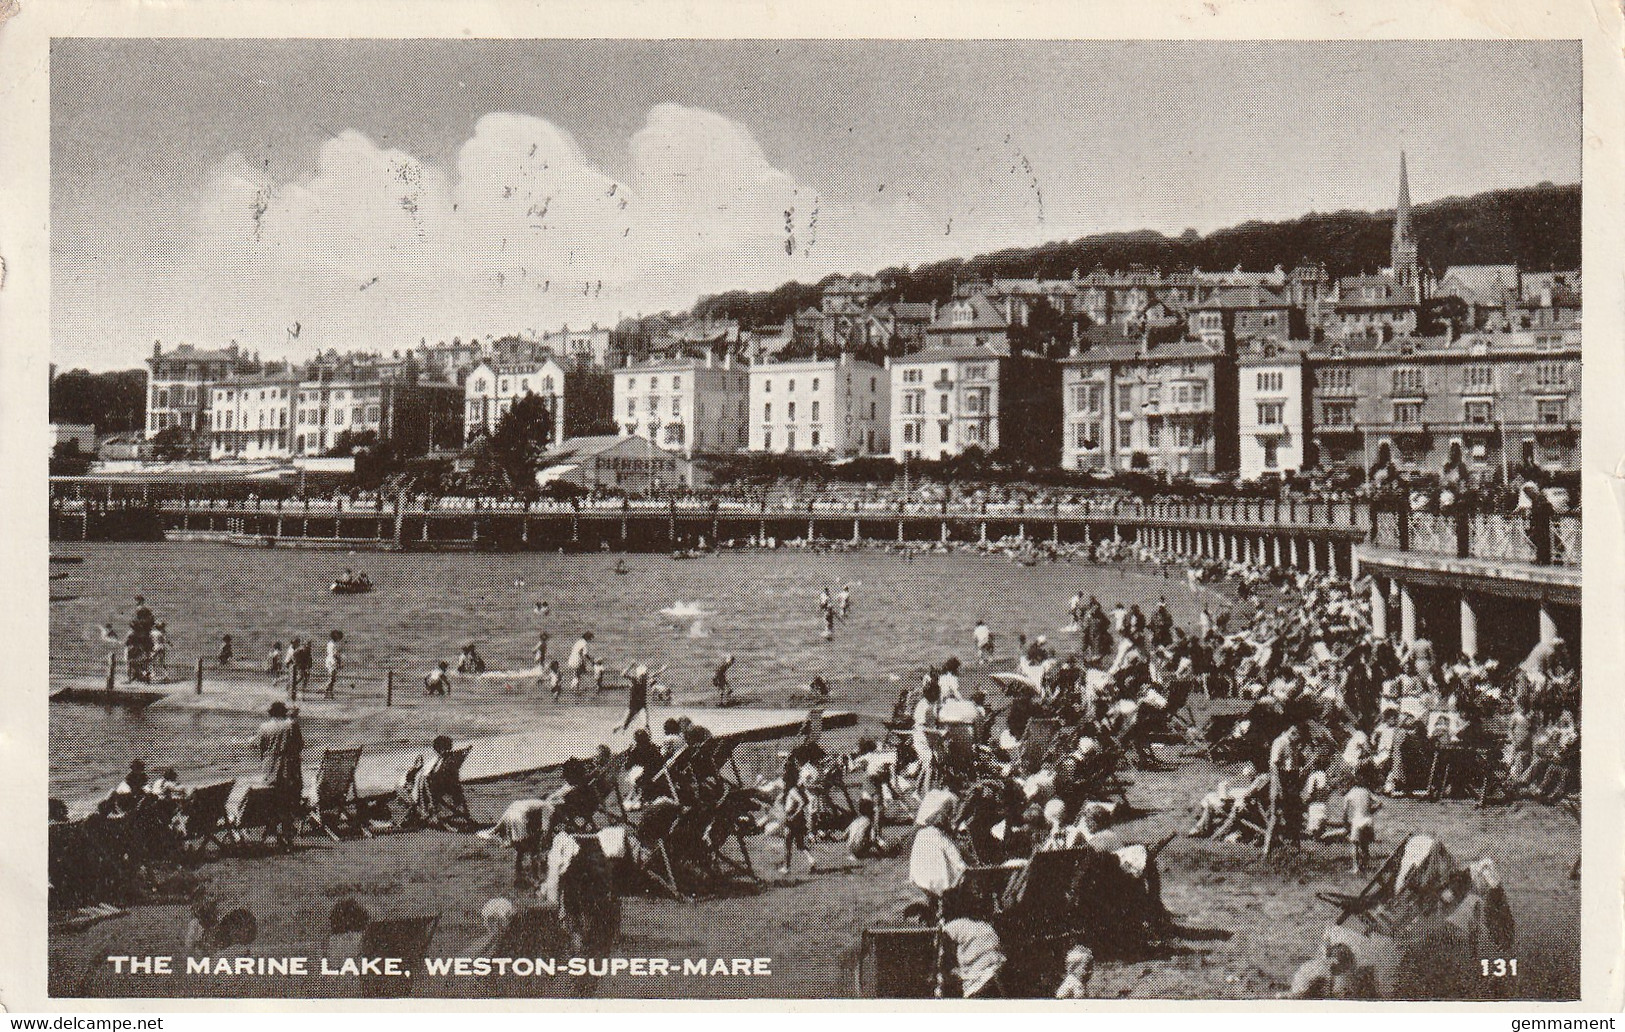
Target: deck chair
405,937
897,963
263,809
336,798
705,770
1037,742
678,776
1363,904
1038,906
611,799
446,787
652,845
725,822
959,742
204,812
725,762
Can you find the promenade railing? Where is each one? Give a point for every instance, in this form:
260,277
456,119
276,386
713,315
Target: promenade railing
1508,538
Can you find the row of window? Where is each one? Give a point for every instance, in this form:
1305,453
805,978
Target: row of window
975,372
182,396
1413,379
226,419
1409,413
1086,435
972,433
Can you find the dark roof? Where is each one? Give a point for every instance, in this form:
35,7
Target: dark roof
950,352
1131,351
985,315
587,447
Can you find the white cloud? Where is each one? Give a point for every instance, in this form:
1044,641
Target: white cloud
377,248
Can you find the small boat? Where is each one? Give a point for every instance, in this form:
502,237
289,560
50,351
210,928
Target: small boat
351,587
67,558
127,698
682,554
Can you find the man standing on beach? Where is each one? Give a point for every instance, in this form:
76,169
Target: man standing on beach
719,680
539,653
299,662
281,752
580,660
335,660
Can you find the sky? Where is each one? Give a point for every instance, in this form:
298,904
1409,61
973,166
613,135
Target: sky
378,193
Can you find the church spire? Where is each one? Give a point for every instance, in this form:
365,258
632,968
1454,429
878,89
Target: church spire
1403,251
1402,210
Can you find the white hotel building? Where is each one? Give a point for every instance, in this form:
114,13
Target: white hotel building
837,407
491,390
691,406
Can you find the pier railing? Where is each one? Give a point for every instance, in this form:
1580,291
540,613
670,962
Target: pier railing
1251,512
1513,537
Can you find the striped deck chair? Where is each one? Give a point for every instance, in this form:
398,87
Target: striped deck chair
405,937
336,798
1037,742
204,812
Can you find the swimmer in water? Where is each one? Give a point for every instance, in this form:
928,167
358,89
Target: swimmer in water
542,608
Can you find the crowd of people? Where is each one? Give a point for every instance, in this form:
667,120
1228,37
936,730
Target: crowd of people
1327,721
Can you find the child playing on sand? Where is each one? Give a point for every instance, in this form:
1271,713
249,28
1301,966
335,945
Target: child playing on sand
797,816
554,679
863,834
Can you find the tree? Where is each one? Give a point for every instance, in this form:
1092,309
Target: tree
68,461
111,402
173,443
519,442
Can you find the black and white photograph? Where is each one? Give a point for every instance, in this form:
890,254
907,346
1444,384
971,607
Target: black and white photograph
820,519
